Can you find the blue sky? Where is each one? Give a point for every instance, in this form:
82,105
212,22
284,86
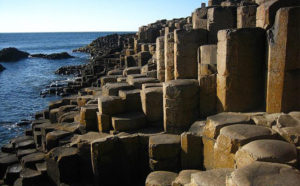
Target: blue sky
88,15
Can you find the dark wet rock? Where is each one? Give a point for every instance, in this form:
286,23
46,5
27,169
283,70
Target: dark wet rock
12,54
24,123
8,148
24,152
2,68
12,173
30,160
62,55
6,162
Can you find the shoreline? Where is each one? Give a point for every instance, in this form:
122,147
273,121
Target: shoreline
178,103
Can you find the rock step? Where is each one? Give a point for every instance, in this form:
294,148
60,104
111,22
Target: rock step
128,122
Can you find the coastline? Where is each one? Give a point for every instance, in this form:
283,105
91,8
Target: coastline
180,102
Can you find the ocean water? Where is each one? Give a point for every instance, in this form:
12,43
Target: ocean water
22,81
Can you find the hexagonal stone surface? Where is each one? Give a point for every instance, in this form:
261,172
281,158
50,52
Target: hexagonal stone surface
215,177
268,151
160,178
184,177
264,173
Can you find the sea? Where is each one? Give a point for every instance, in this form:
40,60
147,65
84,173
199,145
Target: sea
22,81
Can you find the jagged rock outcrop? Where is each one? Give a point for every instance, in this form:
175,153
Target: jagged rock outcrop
12,54
2,68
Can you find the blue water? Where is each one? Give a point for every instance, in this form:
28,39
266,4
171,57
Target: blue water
22,81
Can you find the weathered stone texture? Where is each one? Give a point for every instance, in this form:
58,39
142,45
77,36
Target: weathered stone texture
160,57
185,52
267,151
240,63
199,18
160,178
152,103
214,177
219,18
246,16
283,76
180,102
265,15
169,56
262,173
233,137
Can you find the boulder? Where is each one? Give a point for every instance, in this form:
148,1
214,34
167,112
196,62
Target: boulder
267,151
12,54
264,173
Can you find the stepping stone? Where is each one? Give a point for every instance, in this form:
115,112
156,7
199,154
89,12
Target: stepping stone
30,177
21,153
128,122
267,120
289,128
161,178
110,105
52,138
216,122
6,162
197,128
275,151
184,177
233,137
138,82
112,89
63,165
53,115
212,130
30,160
164,146
215,177
132,100
108,79
20,139
132,70
8,148
181,102
191,151
88,117
28,144
135,76
264,173
104,122
152,103
41,167
12,173
151,85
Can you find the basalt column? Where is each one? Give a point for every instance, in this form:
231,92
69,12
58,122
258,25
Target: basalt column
240,79
283,78
160,57
185,52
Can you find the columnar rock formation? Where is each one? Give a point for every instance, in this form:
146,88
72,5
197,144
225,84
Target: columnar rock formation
211,99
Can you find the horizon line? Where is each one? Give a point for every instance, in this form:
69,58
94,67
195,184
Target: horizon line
59,32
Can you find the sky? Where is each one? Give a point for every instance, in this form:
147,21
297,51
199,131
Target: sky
89,15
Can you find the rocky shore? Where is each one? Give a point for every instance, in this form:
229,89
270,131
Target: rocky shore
210,99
